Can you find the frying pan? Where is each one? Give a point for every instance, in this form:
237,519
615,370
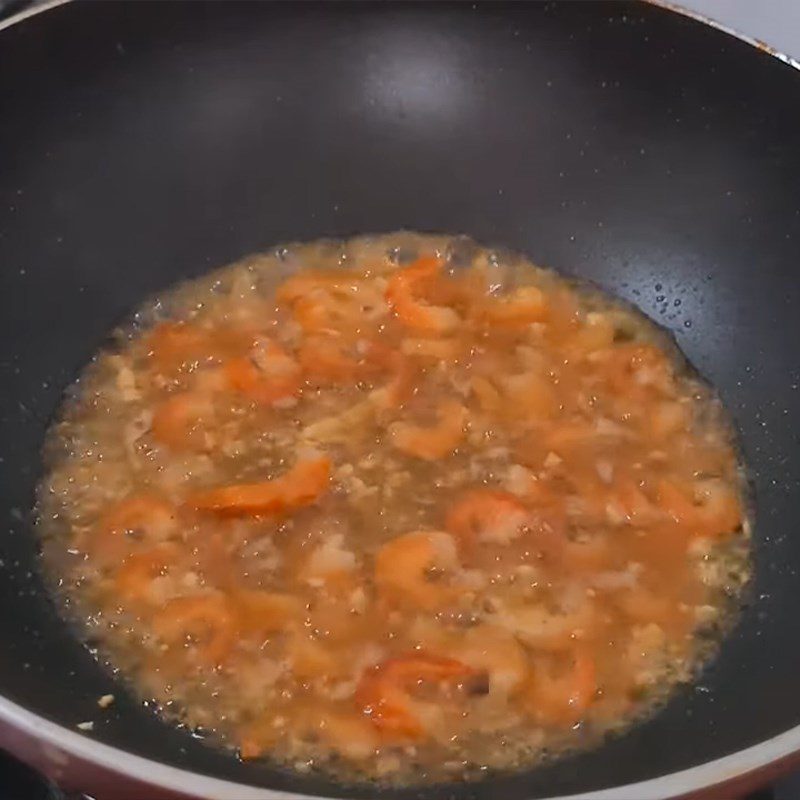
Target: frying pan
145,143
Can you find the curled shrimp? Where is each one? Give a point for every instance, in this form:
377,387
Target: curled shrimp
266,376
208,617
404,569
432,442
384,693
140,519
403,293
300,486
179,420
488,515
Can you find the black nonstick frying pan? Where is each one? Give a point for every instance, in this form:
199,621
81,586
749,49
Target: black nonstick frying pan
142,143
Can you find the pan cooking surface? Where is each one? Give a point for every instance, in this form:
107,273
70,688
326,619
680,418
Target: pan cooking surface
144,143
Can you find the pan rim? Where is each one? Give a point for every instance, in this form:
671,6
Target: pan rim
675,8
759,44
701,777
705,776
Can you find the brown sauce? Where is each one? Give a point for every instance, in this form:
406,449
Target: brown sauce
397,509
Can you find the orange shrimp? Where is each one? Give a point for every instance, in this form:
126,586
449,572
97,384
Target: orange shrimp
432,442
270,374
300,486
134,578
384,693
404,565
143,518
488,515
402,291
209,617
179,420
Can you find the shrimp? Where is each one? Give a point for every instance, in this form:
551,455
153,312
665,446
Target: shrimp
432,442
488,515
300,486
384,693
209,617
404,567
179,420
402,291
140,519
269,375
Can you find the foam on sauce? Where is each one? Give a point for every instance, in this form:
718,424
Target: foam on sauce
399,508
